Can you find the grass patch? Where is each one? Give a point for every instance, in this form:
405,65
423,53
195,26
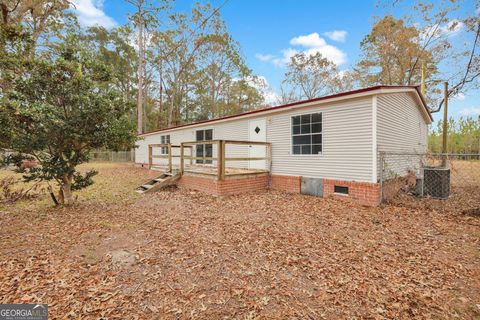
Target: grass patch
115,182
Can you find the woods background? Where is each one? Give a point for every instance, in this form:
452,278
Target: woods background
178,67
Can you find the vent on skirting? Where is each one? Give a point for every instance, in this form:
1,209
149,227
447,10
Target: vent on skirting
340,190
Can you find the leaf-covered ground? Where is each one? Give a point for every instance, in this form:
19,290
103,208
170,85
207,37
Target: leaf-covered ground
181,254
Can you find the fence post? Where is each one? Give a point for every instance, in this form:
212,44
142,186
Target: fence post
149,157
181,158
381,176
169,158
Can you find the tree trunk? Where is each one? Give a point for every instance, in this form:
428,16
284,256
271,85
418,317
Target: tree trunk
66,190
212,95
140,79
4,10
160,100
172,104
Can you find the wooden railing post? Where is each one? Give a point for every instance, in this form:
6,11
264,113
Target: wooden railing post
221,160
181,158
169,157
224,148
191,155
204,154
149,157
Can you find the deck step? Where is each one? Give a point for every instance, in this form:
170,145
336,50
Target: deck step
158,183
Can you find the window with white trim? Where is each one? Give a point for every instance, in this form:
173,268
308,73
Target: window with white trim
204,150
307,133
165,140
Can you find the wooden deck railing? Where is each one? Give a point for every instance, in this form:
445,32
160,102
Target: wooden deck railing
221,158
168,155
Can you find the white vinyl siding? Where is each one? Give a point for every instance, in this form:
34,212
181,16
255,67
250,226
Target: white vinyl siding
176,137
347,142
232,130
401,128
349,132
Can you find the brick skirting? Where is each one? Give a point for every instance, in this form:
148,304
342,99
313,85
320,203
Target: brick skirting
231,185
359,192
363,193
290,184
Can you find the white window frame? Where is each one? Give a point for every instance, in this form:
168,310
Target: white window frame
213,145
163,140
291,135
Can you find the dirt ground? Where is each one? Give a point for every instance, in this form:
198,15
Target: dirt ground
178,254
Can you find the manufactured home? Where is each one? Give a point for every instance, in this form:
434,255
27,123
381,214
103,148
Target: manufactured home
327,146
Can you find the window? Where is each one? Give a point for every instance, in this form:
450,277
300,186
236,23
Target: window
307,134
165,140
204,150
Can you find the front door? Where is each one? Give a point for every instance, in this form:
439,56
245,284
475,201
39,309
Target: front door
204,150
257,131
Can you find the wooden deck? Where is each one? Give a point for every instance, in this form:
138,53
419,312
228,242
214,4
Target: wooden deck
220,171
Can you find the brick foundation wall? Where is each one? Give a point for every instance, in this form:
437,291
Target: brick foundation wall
359,192
363,193
290,184
229,186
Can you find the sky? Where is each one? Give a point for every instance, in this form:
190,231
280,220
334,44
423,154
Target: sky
270,31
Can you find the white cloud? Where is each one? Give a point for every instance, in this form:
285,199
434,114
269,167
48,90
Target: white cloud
312,40
452,28
459,97
470,111
264,57
286,55
90,13
337,35
310,44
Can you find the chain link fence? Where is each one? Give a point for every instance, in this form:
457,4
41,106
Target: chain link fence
101,156
113,156
447,181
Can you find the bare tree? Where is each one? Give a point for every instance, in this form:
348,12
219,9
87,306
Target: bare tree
145,19
311,76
